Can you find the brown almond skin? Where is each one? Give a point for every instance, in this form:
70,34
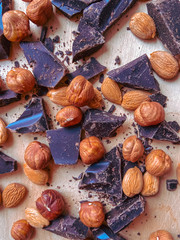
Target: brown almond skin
3,132
51,204
149,113
97,101
161,235
92,214
69,116
35,219
58,96
21,230
150,185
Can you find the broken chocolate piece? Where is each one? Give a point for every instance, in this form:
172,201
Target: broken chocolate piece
47,68
33,118
112,109
104,232
49,44
7,164
43,33
8,96
64,144
159,97
122,215
174,125
68,227
171,184
166,17
100,123
136,74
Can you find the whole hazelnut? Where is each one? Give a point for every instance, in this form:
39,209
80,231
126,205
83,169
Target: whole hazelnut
21,230
3,132
20,80
91,150
69,116
97,101
91,214
15,25
158,163
132,183
50,205
150,185
80,91
160,235
133,149
37,155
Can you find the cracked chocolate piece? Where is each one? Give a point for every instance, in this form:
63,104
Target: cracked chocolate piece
167,20
47,68
136,74
122,215
8,96
171,184
159,97
33,119
7,164
100,123
64,144
162,132
68,227
89,70
174,125
104,232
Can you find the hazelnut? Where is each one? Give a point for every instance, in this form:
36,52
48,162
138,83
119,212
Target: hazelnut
50,205
20,80
58,96
160,235
178,173
149,113
150,185
15,25
133,149
132,183
91,214
69,116
37,155
97,101
158,163
39,11
3,132
80,91
21,230
91,150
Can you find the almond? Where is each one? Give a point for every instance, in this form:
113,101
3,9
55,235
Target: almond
97,101
58,96
3,132
110,89
13,194
142,25
133,99
164,64
35,219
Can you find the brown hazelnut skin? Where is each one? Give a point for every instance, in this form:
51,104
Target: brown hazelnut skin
133,149
37,155
20,80
80,91
91,214
158,163
51,204
91,150
161,235
69,116
21,230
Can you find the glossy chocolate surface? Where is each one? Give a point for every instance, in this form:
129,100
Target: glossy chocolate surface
8,96
105,233
159,97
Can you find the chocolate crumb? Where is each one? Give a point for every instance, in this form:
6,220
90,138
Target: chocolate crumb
16,64
128,28
98,88
69,53
43,33
75,33
47,184
171,184
56,39
66,59
139,234
59,52
35,138
112,109
117,60
178,235
49,44
101,78
78,178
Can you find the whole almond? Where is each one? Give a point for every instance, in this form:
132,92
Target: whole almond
142,25
97,101
110,89
133,99
164,64
3,132
13,194
58,96
35,219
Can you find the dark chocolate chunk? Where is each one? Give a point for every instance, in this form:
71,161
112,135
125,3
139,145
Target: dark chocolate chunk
64,144
123,214
69,53
7,164
112,109
40,91
167,20
174,125
43,33
89,70
47,68
159,97
104,232
49,44
8,96
101,78
33,119
171,184
56,39
136,74
68,227
100,123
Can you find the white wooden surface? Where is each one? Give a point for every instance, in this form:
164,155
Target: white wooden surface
162,211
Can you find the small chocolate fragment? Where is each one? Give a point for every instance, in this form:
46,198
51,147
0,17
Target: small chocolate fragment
8,96
136,74
68,227
112,109
64,144
100,123
166,17
7,164
174,125
47,68
105,233
49,44
43,33
171,184
33,119
117,60
159,97
122,215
